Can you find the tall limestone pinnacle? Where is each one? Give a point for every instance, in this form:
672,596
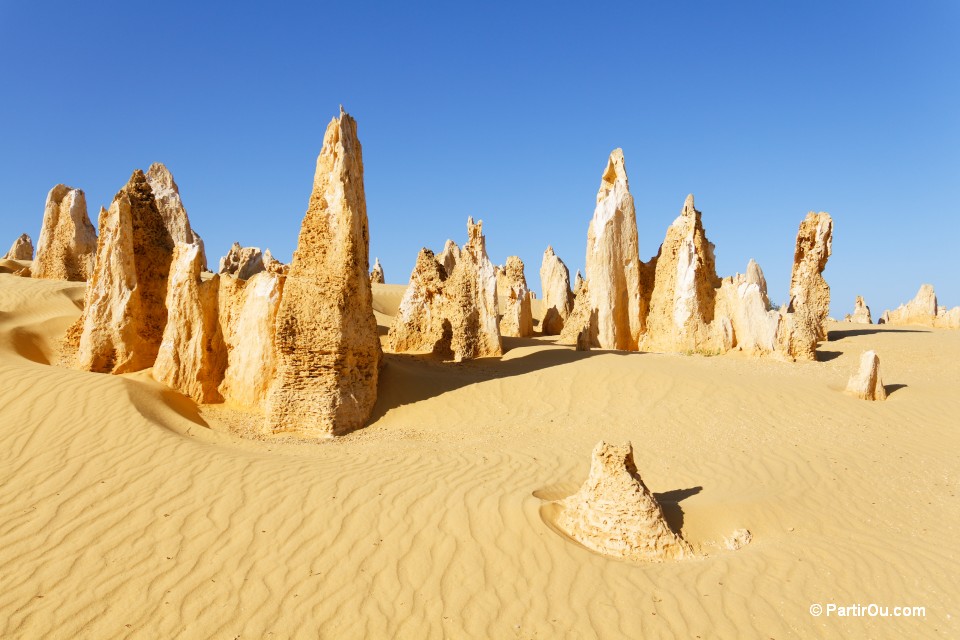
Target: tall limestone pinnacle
167,194
804,324
68,241
124,311
328,351
613,261
557,297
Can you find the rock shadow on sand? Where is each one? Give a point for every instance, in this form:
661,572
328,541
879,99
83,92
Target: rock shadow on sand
839,334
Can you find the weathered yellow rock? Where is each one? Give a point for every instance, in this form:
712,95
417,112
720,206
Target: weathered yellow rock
248,318
192,355
557,297
167,194
615,514
613,262
420,323
328,350
243,262
517,318
68,241
449,256
124,312
376,276
804,322
743,300
923,310
861,313
21,249
866,383
685,286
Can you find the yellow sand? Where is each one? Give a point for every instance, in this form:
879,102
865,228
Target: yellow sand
123,515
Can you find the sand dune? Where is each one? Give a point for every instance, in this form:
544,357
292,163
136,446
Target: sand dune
126,511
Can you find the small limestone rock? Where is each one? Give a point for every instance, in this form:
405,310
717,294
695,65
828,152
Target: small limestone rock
581,324
167,194
376,276
615,514
861,313
273,265
192,355
21,249
517,320
742,299
248,317
68,241
449,256
557,297
124,312
420,324
328,350
738,539
866,383
243,262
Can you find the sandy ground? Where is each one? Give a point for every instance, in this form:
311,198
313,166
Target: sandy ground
127,512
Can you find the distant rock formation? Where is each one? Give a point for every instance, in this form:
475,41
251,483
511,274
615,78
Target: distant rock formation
21,249
861,313
557,297
683,301
577,283
68,241
192,355
243,262
923,310
804,321
866,383
273,265
449,256
517,319
376,276
248,317
167,195
743,300
613,263
615,514
124,312
420,323
328,350
471,300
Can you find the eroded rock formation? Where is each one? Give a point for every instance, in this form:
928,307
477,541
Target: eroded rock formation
615,514
328,350
376,276
471,300
517,319
420,323
861,313
273,265
449,256
866,383
21,249
743,300
923,310
68,241
192,355
682,304
557,297
243,262
803,324
170,205
248,318
125,312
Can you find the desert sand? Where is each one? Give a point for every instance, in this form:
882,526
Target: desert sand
126,511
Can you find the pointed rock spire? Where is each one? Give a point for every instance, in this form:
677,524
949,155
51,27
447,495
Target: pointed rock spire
517,317
376,276
68,241
21,249
167,194
804,324
557,297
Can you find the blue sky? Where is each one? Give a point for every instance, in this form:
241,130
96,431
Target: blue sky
763,110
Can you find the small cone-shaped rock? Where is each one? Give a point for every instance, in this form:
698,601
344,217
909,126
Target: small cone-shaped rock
243,262
124,311
683,300
419,324
557,297
248,316
167,195
376,276
517,320
613,262
577,282
448,258
21,249
471,304
328,350
861,313
804,324
68,242
192,355
616,515
866,383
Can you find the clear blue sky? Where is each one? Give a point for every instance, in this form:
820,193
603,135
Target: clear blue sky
764,110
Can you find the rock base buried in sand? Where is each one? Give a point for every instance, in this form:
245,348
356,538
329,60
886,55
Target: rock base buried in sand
616,515
866,383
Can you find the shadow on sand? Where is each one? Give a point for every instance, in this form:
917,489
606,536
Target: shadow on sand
834,336
670,502
890,388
